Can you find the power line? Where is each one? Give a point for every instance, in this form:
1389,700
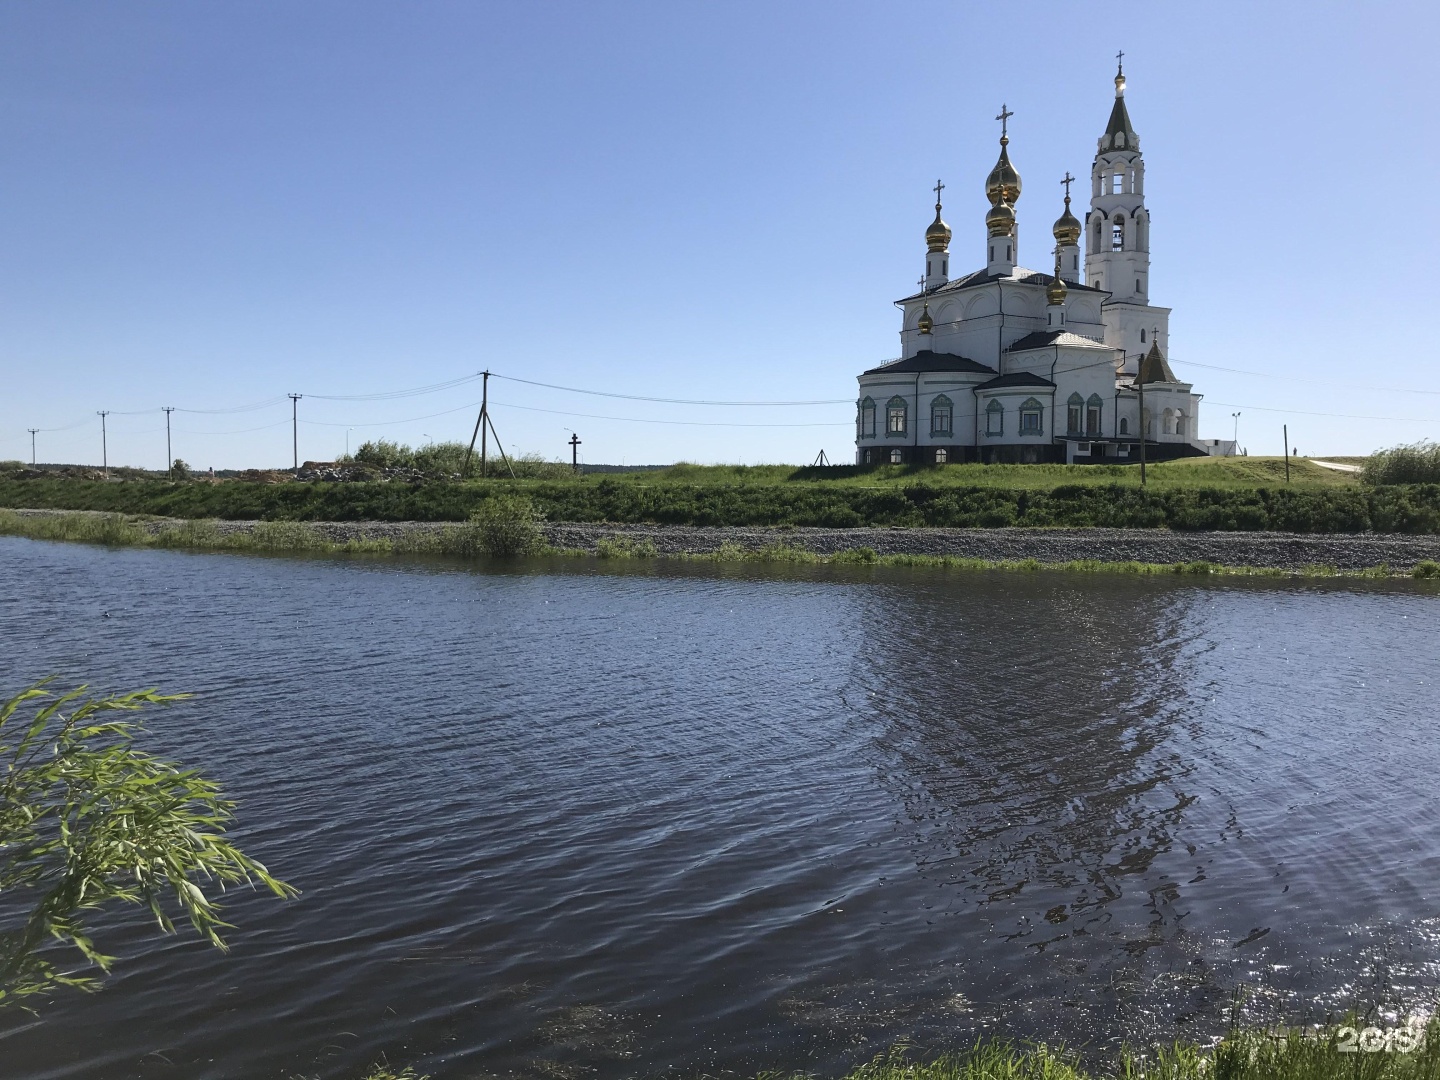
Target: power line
679,423
666,401
1336,415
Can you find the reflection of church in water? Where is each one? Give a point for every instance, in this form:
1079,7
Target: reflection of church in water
1010,364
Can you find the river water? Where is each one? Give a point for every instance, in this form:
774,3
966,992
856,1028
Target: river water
583,819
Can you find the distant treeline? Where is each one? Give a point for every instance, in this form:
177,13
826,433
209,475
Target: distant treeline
1402,509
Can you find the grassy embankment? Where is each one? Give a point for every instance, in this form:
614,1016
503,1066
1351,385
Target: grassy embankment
1198,493
479,538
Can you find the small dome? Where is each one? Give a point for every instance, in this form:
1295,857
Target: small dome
1003,183
1067,226
926,323
1000,220
1055,292
937,236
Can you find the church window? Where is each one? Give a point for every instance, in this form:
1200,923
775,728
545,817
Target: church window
1142,335
895,416
1092,415
1008,256
944,266
941,456
1167,421
1074,407
1117,183
1138,286
1030,413
942,411
1117,234
1179,423
867,419
994,418
897,456
1124,425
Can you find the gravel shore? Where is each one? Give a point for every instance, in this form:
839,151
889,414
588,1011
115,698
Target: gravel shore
1283,551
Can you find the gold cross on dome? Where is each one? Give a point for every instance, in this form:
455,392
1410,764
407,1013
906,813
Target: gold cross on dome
939,187
1004,118
1067,182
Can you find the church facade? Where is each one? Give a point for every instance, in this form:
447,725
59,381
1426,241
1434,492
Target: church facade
1006,364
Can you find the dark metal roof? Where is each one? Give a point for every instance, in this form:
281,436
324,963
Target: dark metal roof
1016,378
926,360
1120,121
1042,338
1155,368
984,277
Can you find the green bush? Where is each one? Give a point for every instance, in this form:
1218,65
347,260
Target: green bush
507,525
1426,568
384,454
1412,463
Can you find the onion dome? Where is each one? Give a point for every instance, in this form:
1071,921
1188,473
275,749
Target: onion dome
1067,226
1000,221
926,323
1055,292
937,236
1003,183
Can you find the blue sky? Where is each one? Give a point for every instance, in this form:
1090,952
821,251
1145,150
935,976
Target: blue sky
213,205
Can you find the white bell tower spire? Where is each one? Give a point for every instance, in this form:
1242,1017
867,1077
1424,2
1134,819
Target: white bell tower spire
1117,228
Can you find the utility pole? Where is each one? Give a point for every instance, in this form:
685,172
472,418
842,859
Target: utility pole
32,431
295,427
104,443
1141,385
479,427
1285,428
169,460
574,452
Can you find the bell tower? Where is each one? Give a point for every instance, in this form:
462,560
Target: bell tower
1117,228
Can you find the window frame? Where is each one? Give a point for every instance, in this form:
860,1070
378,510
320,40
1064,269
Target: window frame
897,405
1075,415
865,421
995,418
942,407
1032,407
1095,406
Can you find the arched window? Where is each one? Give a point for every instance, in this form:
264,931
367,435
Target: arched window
1117,233
895,416
1073,410
866,421
1031,412
1092,415
1124,425
1179,422
942,413
994,418
897,456
941,456
1167,421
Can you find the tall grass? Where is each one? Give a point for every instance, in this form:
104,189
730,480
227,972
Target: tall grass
1241,1055
1412,463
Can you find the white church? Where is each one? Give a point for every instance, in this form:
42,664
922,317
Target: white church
1007,364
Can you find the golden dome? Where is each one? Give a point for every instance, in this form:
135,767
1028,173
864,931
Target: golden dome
926,323
1067,226
1055,291
1003,183
1000,220
937,236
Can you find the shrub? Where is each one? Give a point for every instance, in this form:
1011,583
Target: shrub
507,525
179,469
384,454
1412,463
1426,568
622,547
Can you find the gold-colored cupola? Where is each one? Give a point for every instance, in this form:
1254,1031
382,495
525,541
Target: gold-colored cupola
1003,183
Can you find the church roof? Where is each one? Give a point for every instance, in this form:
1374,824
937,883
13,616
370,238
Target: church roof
1119,122
984,277
926,360
1016,378
1042,338
1154,368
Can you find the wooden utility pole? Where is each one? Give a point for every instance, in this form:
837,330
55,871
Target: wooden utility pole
574,452
1141,385
295,427
1285,428
479,427
169,461
104,444
32,431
